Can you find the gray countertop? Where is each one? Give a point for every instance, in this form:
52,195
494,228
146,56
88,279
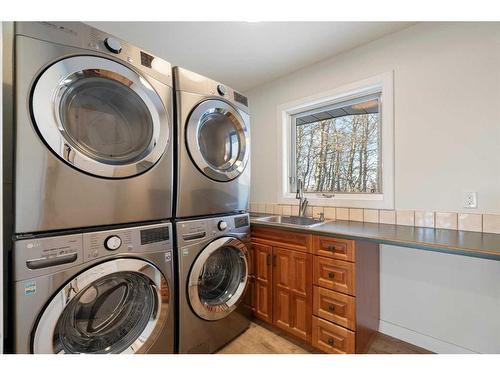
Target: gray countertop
475,244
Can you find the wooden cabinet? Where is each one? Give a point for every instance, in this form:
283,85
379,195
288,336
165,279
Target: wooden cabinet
321,289
292,288
283,277
263,281
336,307
330,247
332,338
334,274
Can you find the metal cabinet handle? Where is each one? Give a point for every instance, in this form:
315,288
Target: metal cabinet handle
331,247
268,259
330,342
331,275
331,308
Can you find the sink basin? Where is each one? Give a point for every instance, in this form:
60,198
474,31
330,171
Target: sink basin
296,221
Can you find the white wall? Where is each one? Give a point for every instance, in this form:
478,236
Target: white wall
447,126
447,137
446,303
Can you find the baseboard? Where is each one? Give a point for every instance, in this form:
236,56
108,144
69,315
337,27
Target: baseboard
416,338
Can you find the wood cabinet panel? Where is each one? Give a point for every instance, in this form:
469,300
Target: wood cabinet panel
334,274
276,237
249,298
263,281
332,338
335,307
338,248
292,291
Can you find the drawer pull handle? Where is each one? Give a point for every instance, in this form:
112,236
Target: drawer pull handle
331,308
331,247
330,342
331,275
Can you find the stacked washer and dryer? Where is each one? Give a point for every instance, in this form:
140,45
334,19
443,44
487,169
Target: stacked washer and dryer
212,226
100,220
93,165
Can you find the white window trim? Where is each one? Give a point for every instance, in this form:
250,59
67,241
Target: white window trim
384,83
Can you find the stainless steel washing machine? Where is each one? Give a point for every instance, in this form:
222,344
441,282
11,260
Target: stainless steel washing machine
214,263
97,292
213,163
93,129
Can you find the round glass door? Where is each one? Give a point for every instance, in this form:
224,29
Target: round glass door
100,116
218,140
218,278
120,312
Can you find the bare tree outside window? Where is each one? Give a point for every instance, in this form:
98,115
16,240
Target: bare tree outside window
338,149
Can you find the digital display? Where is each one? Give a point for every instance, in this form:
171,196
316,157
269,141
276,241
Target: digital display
240,221
146,59
154,235
241,99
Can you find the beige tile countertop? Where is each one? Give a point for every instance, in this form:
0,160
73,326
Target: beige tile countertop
475,244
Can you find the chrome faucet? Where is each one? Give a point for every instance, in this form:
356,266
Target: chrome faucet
300,196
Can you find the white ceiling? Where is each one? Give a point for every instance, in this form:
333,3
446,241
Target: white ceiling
244,55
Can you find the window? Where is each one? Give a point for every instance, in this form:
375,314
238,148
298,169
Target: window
337,148
340,145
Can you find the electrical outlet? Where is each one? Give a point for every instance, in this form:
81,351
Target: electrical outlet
470,199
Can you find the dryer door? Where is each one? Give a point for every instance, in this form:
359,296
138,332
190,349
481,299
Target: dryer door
119,306
218,278
100,116
218,140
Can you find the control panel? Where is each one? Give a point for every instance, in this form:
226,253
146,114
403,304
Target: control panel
40,256
188,81
143,239
202,229
80,35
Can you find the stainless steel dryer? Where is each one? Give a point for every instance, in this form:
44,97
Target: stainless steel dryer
93,130
213,163
97,292
214,263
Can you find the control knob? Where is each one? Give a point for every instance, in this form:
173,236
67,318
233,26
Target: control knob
113,45
221,90
222,225
112,243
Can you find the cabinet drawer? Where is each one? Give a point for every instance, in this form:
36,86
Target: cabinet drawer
334,274
337,248
335,307
332,338
278,237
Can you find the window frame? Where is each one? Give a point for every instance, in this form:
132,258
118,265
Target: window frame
287,112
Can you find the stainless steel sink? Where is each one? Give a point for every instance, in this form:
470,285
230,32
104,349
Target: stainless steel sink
295,221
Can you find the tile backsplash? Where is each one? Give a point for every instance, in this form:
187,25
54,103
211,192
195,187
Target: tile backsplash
488,223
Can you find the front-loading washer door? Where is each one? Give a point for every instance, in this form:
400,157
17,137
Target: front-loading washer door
119,306
100,116
218,278
218,140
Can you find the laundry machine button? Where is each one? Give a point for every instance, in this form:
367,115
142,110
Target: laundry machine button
112,242
221,90
113,45
222,225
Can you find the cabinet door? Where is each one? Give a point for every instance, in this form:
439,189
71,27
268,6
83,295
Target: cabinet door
249,299
263,281
292,308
